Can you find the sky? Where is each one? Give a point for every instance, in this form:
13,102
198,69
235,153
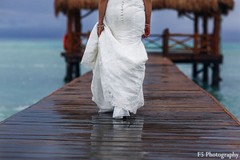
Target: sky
36,19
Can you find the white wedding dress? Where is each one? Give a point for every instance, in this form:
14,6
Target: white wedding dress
118,58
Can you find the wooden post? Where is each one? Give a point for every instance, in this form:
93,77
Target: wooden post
216,33
205,72
73,53
77,21
165,42
69,32
205,47
216,75
69,50
78,50
204,39
69,71
194,70
196,45
216,50
196,33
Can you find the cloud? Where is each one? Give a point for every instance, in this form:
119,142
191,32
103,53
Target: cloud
34,18
30,18
14,19
232,22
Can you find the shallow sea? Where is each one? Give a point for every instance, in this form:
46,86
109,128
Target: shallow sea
32,69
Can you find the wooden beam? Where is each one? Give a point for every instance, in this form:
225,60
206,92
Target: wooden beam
77,32
194,70
216,75
69,32
196,44
165,42
216,33
205,25
77,21
204,39
78,41
205,46
196,32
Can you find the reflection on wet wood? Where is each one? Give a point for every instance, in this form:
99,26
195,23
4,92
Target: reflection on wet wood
178,120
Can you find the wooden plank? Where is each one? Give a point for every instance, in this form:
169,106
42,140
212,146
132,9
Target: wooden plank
179,120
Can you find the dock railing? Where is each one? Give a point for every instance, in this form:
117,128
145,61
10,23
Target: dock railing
187,43
189,48
154,43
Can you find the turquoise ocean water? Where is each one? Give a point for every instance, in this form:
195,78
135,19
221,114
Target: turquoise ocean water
229,92
32,69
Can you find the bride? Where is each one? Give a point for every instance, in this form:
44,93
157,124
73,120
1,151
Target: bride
117,55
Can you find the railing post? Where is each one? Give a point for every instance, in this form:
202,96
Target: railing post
196,34
165,42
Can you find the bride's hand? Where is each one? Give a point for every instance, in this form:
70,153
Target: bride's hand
147,31
100,28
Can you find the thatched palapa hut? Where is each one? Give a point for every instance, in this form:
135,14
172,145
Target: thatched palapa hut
192,6
204,43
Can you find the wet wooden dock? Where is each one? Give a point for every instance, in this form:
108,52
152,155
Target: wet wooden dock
179,121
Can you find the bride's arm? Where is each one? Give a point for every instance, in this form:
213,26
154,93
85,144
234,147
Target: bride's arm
148,13
102,5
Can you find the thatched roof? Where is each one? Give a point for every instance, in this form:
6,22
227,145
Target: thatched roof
197,6
65,5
